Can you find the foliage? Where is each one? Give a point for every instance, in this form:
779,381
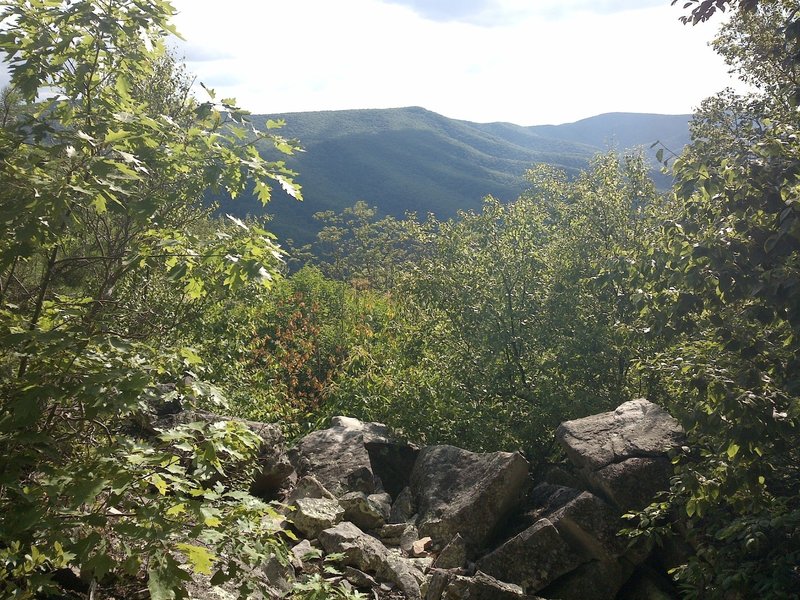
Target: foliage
706,9
511,318
358,248
322,585
722,285
102,257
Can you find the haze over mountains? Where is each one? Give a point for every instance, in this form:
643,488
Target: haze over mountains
412,159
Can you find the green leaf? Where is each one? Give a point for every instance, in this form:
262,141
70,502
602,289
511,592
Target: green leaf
190,356
160,584
691,507
86,490
733,450
200,558
158,482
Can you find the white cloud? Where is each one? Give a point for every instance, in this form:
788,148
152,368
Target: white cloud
544,65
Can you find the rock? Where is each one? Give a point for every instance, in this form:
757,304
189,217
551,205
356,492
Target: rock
635,429
481,587
595,580
622,455
543,500
590,526
303,551
337,457
532,559
382,501
453,555
407,538
404,508
312,515
436,585
367,554
422,563
366,512
632,484
419,549
279,576
308,487
358,578
557,475
458,491
391,533
392,462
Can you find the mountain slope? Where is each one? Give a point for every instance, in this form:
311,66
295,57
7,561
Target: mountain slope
411,159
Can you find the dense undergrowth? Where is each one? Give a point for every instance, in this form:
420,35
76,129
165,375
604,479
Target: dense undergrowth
484,331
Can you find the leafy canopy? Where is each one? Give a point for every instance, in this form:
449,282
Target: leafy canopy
105,250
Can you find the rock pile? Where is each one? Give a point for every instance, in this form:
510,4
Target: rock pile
442,523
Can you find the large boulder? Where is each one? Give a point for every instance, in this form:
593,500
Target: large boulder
448,586
367,554
532,559
338,458
367,512
595,580
631,484
622,454
312,515
590,526
457,491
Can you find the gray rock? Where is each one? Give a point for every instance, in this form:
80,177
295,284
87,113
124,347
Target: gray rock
453,555
391,533
481,587
367,554
435,586
543,500
423,563
637,428
358,578
404,508
590,526
337,457
279,576
303,551
407,538
458,491
308,486
595,580
631,484
366,512
532,559
622,455
312,515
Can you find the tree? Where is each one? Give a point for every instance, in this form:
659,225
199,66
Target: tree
357,247
723,285
103,255
706,9
514,318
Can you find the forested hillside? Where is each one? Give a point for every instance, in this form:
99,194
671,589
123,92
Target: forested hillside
413,160
124,295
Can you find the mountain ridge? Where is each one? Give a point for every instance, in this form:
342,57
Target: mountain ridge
413,159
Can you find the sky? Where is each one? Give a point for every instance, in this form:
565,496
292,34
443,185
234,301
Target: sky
527,62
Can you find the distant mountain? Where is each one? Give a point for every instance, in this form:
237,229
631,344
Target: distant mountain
411,159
